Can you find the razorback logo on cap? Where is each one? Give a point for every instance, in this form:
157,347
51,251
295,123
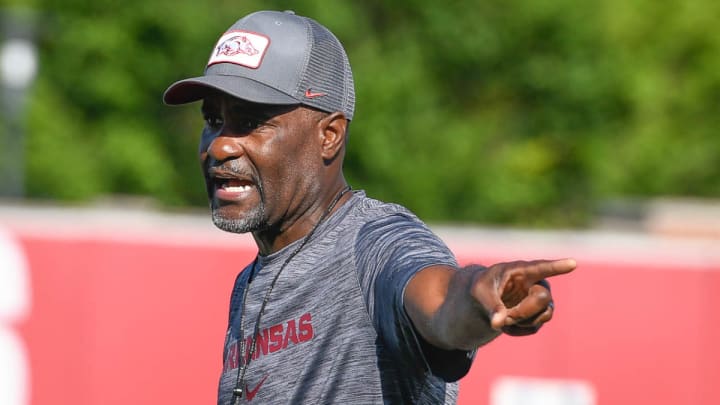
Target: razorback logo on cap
241,48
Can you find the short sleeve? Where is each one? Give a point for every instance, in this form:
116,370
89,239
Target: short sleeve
390,251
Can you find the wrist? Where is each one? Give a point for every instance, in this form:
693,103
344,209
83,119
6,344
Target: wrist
467,322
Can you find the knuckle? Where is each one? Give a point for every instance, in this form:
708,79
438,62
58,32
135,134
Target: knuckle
543,297
541,294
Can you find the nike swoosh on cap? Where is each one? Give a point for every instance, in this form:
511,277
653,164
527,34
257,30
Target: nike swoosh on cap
310,94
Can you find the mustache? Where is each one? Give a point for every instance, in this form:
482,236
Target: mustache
232,169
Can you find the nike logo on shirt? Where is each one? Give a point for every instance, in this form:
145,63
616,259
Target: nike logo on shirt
252,392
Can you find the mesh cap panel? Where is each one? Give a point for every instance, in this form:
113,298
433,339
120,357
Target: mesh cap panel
327,71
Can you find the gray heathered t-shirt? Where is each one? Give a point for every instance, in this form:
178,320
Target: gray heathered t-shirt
334,330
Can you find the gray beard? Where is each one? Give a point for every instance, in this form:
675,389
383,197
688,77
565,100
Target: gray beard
253,220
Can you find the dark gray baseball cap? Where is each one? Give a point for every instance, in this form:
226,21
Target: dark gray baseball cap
274,57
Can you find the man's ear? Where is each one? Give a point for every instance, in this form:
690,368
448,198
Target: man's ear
334,130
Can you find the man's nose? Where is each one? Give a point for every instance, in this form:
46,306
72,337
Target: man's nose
224,147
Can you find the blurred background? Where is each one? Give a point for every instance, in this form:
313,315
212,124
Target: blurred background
518,130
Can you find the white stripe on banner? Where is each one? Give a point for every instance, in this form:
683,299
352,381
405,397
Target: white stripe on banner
541,391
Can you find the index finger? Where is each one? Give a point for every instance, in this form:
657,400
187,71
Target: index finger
540,269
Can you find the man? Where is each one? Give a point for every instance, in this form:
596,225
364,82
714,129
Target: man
350,300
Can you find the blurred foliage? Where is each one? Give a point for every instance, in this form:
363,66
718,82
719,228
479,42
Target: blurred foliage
521,112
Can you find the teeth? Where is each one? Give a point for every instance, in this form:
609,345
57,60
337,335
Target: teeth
236,189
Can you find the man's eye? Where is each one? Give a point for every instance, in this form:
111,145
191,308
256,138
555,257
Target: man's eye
213,121
251,123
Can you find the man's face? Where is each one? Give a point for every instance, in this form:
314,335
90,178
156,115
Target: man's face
258,160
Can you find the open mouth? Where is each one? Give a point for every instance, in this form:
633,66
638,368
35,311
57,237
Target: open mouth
229,185
233,185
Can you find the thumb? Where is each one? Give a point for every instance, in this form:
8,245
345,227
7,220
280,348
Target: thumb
498,316
491,303
485,291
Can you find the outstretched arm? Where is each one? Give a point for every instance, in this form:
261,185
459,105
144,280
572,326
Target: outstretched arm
466,308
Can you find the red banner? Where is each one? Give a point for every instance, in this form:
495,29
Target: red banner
122,315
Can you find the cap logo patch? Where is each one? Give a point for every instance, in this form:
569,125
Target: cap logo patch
235,45
241,48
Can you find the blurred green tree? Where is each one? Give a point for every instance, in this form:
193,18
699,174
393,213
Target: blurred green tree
522,112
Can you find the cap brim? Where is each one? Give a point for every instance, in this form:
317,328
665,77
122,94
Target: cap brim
196,88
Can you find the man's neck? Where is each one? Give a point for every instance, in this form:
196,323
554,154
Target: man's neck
275,238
